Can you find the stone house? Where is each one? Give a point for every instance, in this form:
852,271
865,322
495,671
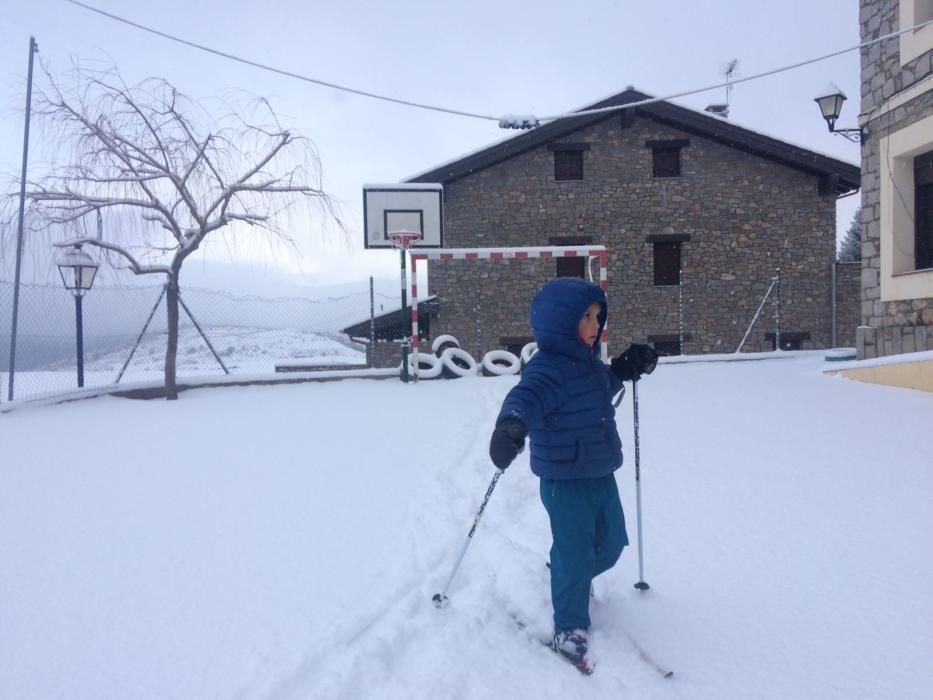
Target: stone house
897,180
698,214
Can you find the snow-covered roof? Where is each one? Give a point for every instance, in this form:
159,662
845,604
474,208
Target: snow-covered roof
688,119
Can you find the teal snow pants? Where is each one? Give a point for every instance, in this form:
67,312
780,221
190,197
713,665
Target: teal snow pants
588,530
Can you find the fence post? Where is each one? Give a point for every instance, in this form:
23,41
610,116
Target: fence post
372,324
33,50
833,332
680,307
777,310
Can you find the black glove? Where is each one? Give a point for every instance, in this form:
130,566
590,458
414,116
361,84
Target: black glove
638,360
508,439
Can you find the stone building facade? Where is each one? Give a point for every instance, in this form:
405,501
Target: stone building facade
660,185
848,307
897,180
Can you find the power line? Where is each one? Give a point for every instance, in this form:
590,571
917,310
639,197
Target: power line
508,121
728,83
280,71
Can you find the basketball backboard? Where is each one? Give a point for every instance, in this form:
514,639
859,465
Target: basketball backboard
403,207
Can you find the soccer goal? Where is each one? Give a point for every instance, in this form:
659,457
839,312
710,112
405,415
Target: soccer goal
590,252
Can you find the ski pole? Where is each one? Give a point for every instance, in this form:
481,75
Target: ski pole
641,585
440,599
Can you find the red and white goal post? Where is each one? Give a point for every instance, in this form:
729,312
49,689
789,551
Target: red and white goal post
522,253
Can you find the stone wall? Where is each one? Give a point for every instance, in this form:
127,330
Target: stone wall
848,307
745,217
887,327
384,355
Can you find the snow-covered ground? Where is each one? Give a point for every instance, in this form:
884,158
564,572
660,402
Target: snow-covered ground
243,350
284,542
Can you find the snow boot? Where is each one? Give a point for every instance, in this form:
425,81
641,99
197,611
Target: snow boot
571,644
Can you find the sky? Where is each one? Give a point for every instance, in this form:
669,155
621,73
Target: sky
286,543
485,57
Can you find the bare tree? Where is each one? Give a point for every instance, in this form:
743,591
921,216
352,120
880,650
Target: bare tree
176,173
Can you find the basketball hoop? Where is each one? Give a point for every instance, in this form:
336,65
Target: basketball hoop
404,239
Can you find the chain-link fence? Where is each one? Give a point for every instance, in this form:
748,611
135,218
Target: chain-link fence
125,334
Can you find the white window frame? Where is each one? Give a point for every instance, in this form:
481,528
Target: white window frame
916,43
899,279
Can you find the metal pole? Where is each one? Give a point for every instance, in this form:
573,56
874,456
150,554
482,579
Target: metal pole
755,318
140,337
777,311
440,599
80,339
604,285
402,324
680,308
413,331
372,324
641,585
203,334
833,332
33,49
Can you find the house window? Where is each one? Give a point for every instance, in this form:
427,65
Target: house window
791,340
570,267
914,44
568,165
514,344
667,348
568,160
923,220
665,162
665,156
923,11
667,344
666,263
904,212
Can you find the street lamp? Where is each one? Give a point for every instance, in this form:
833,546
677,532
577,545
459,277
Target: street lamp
830,101
77,269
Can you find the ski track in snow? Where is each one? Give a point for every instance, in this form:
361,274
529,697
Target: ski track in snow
406,637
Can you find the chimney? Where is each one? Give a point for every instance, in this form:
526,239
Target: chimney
719,110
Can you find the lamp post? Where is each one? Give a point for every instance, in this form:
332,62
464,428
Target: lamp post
830,101
77,269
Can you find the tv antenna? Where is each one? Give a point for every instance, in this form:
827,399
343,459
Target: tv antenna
730,69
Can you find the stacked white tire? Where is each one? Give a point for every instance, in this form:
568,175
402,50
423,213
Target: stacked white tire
527,353
442,342
500,363
429,366
450,361
457,363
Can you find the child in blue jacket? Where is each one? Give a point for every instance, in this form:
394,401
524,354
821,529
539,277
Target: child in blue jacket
563,404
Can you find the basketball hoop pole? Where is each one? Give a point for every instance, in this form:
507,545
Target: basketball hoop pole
403,241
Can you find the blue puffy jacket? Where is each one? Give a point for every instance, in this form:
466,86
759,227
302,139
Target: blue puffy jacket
565,394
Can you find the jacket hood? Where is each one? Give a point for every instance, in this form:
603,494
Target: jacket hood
556,311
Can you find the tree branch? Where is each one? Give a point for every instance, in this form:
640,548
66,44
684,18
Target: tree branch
138,268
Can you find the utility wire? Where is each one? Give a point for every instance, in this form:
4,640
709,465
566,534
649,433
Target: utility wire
509,120
280,71
739,80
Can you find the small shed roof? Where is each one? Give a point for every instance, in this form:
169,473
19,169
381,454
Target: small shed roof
387,324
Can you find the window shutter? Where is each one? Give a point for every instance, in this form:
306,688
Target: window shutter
666,263
568,165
